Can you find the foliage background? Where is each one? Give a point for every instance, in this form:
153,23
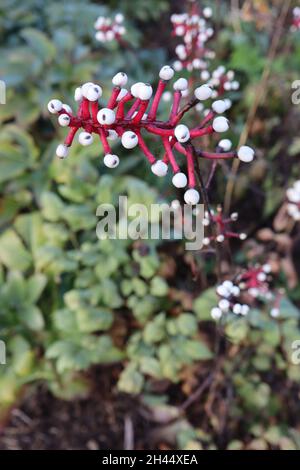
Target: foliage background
70,301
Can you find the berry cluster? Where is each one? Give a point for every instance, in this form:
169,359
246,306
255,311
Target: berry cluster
194,31
194,55
241,294
229,301
221,225
293,197
296,19
114,122
110,29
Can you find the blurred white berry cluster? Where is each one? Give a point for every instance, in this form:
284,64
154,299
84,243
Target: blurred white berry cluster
110,29
229,301
293,197
194,55
296,20
192,27
220,226
245,291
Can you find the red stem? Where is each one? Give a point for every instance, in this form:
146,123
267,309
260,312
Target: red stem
156,100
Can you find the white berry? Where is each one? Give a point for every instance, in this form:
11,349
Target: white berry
181,84
78,94
166,73
182,133
216,313
111,161
246,154
145,91
203,92
179,180
120,79
93,92
225,145
159,168
62,151
106,116
54,106
129,140
219,106
64,120
191,196
135,89
85,138
220,124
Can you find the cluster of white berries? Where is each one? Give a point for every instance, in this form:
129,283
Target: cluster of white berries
195,32
229,293
222,230
250,286
221,80
112,123
293,197
110,29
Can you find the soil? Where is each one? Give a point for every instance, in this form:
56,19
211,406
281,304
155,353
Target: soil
43,421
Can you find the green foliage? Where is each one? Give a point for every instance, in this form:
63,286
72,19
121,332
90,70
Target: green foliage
70,301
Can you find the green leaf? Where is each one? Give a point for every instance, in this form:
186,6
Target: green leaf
35,287
197,350
52,206
158,287
203,304
151,366
187,324
131,381
39,44
32,317
12,251
237,330
93,319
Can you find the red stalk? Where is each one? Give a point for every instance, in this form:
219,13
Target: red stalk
169,155
113,98
70,137
175,106
156,100
133,108
104,142
145,149
143,107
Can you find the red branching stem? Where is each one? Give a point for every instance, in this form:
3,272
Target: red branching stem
207,119
112,102
84,112
133,108
70,137
200,132
160,131
231,235
156,100
175,106
121,106
217,156
104,142
145,149
139,116
94,109
169,155
191,170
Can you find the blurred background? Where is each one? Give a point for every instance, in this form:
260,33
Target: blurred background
116,337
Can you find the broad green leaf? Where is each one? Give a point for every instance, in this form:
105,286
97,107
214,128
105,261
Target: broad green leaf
12,251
